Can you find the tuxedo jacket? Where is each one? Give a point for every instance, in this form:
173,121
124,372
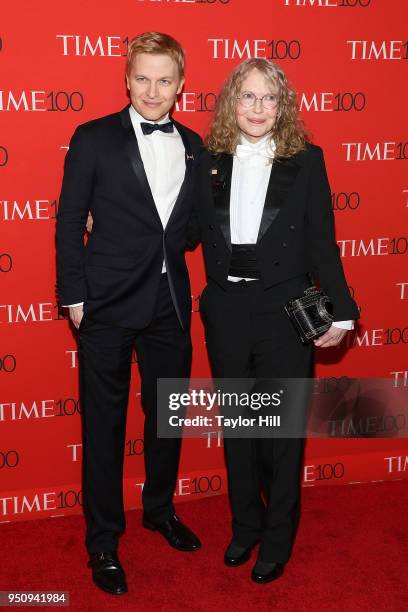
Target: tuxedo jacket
296,234
117,273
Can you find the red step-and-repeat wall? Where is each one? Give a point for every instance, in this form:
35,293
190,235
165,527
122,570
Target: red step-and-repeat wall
63,64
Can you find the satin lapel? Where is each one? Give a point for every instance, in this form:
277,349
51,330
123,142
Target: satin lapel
220,176
189,159
133,152
283,175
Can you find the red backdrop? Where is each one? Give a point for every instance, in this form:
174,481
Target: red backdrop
62,67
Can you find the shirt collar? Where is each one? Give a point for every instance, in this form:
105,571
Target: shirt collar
265,147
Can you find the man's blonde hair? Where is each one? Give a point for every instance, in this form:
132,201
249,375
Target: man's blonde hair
156,43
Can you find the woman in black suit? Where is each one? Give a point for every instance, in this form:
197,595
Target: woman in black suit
265,221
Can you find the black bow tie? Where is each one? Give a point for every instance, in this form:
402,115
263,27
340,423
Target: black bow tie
149,128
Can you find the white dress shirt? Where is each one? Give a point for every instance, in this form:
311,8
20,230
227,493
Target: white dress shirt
163,157
251,170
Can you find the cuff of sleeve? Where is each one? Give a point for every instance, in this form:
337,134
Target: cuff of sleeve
344,324
72,305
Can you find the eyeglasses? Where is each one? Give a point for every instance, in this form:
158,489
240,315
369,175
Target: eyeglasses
248,99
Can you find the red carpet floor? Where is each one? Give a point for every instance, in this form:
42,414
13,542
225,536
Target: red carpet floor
351,553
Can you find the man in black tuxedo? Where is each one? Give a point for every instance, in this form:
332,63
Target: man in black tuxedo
134,171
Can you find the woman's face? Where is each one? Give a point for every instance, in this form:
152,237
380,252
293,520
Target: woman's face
256,121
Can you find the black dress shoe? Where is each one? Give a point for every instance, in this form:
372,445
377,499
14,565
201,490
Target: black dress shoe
236,555
264,572
176,533
107,572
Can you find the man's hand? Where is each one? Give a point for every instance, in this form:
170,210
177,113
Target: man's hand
332,337
89,223
75,314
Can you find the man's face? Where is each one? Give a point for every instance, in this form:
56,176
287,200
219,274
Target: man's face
153,83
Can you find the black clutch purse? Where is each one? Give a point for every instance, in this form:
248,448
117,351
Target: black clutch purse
311,314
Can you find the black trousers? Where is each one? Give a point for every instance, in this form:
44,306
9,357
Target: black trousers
249,335
163,351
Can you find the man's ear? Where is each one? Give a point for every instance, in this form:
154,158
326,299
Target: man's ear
127,82
181,85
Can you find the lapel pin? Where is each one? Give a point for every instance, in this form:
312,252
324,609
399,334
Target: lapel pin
214,171
189,156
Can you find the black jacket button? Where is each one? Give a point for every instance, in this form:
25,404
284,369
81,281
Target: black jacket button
218,262
291,227
211,226
276,263
214,245
284,245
